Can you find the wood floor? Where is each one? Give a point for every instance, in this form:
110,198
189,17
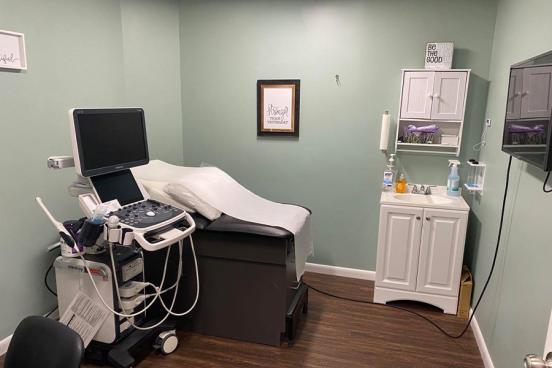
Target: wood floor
339,334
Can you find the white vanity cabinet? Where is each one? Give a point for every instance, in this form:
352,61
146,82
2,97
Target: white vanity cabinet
420,250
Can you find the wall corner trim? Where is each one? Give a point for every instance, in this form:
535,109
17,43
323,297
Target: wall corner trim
4,345
485,355
341,271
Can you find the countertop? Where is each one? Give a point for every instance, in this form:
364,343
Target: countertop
438,199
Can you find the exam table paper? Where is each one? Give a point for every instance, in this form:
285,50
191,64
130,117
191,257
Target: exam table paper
222,192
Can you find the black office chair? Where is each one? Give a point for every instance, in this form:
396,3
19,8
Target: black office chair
45,343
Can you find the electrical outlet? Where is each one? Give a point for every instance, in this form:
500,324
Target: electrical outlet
488,123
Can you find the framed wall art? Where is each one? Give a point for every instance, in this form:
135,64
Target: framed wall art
278,107
12,50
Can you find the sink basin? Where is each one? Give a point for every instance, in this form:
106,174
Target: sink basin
423,199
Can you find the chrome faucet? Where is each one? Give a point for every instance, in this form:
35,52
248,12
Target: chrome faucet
422,189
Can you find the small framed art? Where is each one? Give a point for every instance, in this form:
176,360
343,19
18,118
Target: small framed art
12,50
278,107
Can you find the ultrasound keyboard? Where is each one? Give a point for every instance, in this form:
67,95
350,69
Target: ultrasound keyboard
145,214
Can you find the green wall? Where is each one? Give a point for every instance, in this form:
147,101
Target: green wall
197,62
515,313
334,167
75,58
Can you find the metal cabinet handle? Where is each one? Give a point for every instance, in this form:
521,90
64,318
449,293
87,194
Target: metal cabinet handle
428,218
418,217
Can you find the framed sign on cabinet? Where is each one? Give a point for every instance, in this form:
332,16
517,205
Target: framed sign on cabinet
278,107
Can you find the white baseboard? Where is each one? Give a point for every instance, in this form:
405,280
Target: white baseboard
4,345
341,271
485,355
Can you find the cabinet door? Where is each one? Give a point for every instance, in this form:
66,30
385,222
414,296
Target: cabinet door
449,92
416,95
398,247
536,98
513,108
441,251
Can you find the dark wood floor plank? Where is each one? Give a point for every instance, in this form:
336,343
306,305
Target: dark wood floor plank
339,334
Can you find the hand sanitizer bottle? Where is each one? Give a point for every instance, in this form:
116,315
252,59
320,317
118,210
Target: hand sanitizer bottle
453,181
389,174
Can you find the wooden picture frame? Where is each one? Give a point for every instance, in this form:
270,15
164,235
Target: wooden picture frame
12,50
278,107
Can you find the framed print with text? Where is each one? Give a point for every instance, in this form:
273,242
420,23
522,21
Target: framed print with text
278,107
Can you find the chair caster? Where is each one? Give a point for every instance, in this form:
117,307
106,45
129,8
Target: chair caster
166,342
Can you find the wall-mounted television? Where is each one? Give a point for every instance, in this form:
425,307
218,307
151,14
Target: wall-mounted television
527,128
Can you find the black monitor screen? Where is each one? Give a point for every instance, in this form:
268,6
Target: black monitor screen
110,139
118,185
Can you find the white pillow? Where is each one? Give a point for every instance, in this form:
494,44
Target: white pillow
156,191
182,195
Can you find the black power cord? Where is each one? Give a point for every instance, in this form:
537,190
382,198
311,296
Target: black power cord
546,182
459,335
46,279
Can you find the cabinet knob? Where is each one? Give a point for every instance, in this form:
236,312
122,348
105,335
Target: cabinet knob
428,218
418,217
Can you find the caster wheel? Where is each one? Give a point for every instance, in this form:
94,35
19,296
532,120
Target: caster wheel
166,342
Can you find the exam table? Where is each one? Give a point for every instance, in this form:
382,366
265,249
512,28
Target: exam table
249,290
248,285
251,287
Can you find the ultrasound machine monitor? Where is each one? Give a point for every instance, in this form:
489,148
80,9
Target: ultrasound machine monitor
108,140
106,144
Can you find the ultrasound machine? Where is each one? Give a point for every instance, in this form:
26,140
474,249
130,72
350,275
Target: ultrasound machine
103,253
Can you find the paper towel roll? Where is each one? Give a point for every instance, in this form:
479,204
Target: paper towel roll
384,139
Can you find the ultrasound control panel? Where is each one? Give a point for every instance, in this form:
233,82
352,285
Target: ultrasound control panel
147,213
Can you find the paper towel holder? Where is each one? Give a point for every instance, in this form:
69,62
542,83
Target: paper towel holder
384,135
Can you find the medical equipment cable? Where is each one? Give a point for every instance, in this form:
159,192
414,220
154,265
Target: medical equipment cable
103,300
545,182
180,274
427,319
483,142
46,278
117,292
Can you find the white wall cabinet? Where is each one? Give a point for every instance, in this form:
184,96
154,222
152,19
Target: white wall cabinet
449,95
420,253
513,108
433,97
417,93
530,93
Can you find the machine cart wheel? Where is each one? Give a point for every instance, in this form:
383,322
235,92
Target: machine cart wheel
166,342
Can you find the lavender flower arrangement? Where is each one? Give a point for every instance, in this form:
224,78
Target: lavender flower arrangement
521,134
428,134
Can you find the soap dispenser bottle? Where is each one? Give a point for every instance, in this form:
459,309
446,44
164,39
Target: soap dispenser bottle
453,181
401,185
389,174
